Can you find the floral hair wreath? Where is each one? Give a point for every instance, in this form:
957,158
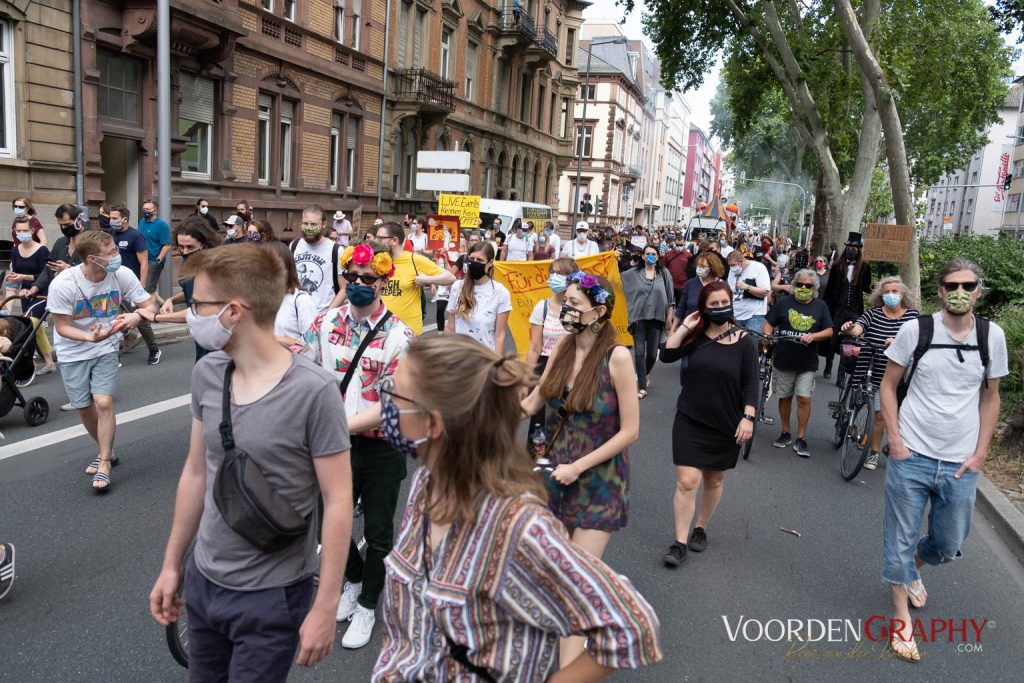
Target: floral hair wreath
589,284
362,254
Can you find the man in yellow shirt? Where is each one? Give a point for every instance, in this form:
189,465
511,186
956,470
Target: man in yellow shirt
413,272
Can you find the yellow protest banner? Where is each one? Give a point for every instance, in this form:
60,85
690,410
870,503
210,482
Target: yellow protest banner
527,282
465,206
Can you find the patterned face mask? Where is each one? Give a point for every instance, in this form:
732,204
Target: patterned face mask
389,417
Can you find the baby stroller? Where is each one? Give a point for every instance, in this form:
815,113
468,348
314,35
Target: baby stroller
19,368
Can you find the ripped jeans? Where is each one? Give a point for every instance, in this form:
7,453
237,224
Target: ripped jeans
909,486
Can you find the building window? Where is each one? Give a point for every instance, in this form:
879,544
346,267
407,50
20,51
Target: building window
974,178
267,5
446,51
584,140
587,92
570,46
357,12
470,70
8,145
265,114
410,162
1012,202
335,151
285,141
1018,168
289,10
350,153
563,119
970,205
541,96
420,29
339,21
525,94
117,94
195,122
552,110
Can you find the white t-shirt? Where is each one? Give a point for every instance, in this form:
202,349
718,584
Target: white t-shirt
295,314
518,248
419,242
89,304
726,250
940,417
573,248
556,243
313,262
492,299
746,307
553,330
344,232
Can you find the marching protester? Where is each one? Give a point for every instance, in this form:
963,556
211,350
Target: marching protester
22,206
316,258
520,244
590,426
580,246
849,279
708,269
361,343
476,529
234,229
83,301
260,232
248,585
203,211
677,260
417,239
938,438
297,309
804,318
191,236
28,262
649,300
135,256
544,248
751,286
481,305
892,305
404,291
546,328
553,238
158,244
710,426
344,227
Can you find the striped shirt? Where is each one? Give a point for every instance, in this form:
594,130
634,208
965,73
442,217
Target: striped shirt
877,328
507,587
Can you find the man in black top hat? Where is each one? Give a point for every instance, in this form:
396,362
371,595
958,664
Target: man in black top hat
848,281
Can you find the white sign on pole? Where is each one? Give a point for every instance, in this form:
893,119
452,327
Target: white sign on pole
443,182
443,161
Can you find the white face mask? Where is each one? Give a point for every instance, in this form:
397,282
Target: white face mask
736,270
203,210
207,330
232,232
702,272
581,237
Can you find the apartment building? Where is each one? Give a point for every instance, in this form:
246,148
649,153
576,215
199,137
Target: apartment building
1012,221
673,121
699,178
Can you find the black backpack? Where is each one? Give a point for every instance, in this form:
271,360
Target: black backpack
926,331
334,262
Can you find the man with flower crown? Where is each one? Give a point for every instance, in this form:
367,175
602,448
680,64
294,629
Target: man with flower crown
361,341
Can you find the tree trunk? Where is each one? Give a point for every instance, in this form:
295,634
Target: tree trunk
822,219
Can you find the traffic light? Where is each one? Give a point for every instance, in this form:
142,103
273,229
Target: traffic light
598,206
1007,181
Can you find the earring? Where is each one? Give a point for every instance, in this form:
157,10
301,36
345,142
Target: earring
596,326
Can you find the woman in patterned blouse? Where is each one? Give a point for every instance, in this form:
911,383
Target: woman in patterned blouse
483,580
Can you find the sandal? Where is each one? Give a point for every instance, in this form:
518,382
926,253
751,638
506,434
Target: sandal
101,478
642,393
94,466
916,593
904,649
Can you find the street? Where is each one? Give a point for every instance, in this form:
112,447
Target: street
79,612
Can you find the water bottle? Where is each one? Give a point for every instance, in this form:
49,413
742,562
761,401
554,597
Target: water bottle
538,445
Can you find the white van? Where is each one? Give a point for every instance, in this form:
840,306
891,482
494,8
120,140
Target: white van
512,213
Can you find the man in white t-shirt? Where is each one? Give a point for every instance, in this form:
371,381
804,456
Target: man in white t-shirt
520,244
553,239
84,302
751,285
581,246
316,258
938,437
344,227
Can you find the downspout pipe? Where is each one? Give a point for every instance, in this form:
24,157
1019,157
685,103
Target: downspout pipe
76,61
383,108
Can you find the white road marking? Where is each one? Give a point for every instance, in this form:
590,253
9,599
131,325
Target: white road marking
61,435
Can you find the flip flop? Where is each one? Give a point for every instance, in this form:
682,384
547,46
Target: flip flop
95,465
916,593
904,649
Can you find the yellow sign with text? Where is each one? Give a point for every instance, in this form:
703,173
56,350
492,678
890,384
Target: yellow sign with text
465,206
527,282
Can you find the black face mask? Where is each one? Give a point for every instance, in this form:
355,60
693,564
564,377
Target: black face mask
69,231
475,269
718,316
852,253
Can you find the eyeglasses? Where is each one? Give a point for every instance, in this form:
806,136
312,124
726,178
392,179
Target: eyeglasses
196,303
382,237
367,280
386,389
953,286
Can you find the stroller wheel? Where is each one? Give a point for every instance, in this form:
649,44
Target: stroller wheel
22,383
37,411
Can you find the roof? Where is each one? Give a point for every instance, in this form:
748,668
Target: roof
607,58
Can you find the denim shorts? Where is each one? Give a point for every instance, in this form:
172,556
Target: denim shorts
754,323
84,379
909,486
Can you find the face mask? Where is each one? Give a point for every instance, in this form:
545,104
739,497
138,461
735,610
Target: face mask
147,214
475,269
572,319
651,259
207,330
116,225
69,231
550,230
389,416
112,264
244,215
311,234
203,210
581,237
736,270
719,316
232,232
851,253
184,256
892,300
702,272
557,283
253,237
359,295
820,265
803,295
958,302
24,236
19,211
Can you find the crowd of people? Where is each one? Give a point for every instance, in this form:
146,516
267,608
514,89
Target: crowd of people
311,360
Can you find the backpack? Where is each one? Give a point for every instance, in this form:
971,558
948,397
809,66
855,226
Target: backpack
926,332
334,262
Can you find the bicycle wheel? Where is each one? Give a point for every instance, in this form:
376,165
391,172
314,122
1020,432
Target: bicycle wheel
177,638
841,415
858,439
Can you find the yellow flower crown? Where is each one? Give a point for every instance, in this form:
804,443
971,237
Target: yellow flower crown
362,254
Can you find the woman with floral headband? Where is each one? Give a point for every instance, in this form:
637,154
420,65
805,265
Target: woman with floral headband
593,415
480,306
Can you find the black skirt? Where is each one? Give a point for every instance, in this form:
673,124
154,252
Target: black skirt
694,444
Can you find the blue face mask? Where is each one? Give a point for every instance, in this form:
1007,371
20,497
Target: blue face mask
651,259
358,295
23,236
892,300
389,415
112,263
557,283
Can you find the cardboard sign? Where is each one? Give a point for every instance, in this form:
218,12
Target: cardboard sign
527,282
465,206
437,226
887,243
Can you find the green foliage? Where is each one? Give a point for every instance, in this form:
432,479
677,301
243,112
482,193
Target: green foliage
1009,16
879,197
1011,319
1001,259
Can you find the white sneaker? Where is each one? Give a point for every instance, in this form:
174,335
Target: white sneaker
872,462
347,604
358,633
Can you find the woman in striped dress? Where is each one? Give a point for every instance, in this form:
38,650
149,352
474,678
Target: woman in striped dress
892,304
483,579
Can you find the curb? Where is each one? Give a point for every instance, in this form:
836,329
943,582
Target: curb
1004,516
169,333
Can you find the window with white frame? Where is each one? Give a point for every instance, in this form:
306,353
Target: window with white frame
289,10
470,69
285,141
350,152
335,151
267,5
195,122
446,51
563,119
584,140
263,137
8,138
357,11
339,21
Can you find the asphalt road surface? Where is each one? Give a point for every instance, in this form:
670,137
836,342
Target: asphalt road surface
78,610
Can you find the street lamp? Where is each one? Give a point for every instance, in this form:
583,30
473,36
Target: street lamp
579,141
803,204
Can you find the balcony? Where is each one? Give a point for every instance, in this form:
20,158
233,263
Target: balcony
428,92
549,42
630,171
516,28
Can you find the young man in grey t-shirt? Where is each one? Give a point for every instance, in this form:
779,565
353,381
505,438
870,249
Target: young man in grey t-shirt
245,605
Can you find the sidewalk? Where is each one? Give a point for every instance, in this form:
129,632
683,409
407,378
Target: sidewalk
168,333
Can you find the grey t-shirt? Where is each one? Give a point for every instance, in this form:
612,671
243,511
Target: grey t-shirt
300,419
940,417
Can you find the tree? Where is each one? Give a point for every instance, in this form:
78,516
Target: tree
879,198
1009,16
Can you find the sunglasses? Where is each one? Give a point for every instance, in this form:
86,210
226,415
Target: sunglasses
368,280
803,286
953,286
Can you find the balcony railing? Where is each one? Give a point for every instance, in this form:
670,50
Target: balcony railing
518,21
420,85
549,42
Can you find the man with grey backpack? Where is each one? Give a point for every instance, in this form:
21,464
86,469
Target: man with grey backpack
947,366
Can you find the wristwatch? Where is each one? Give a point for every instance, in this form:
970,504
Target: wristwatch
749,417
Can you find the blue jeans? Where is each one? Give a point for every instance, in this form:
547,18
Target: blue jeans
754,323
909,486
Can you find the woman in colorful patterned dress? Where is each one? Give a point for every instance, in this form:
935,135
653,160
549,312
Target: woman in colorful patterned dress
483,580
593,414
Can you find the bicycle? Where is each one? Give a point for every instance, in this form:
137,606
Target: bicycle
853,413
766,371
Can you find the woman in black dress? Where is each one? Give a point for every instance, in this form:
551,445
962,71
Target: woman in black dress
710,426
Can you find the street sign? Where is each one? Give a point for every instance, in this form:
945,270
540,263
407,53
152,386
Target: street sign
443,161
465,206
442,182
887,243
